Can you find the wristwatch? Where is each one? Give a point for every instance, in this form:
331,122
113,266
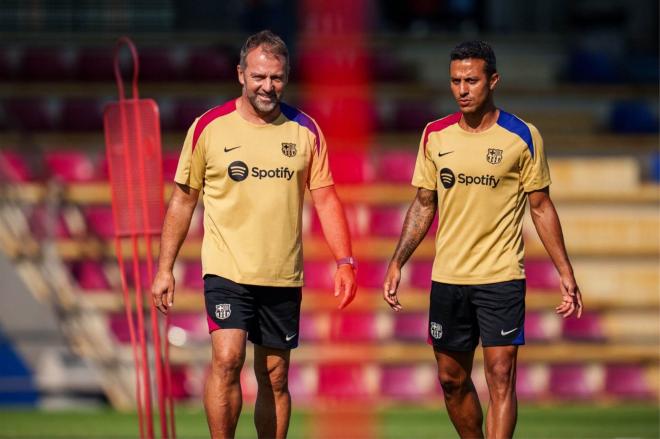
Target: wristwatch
350,260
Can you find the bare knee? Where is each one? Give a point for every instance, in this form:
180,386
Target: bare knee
226,366
501,378
275,377
454,382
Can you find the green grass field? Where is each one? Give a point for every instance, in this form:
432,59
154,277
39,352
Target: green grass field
624,421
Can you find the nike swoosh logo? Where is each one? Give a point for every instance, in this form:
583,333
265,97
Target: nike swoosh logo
289,337
231,149
507,332
440,154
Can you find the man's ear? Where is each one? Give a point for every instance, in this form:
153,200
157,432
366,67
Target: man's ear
239,72
494,79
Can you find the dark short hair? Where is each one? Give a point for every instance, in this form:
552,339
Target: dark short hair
271,44
475,49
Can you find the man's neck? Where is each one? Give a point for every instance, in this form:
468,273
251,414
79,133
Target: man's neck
249,113
480,120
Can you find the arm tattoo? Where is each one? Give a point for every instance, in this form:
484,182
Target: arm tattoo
418,220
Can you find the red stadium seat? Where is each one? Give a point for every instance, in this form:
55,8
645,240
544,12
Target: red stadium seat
303,382
628,381
99,221
193,325
541,274
347,381
411,326
360,326
90,276
531,381
372,273
14,168
119,327
72,166
42,224
351,167
82,115
192,276
357,216
420,274
181,386
320,274
536,328
396,166
208,64
409,383
574,382
48,64
314,326
387,221
170,162
587,328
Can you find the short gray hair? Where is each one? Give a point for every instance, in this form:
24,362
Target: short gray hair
269,42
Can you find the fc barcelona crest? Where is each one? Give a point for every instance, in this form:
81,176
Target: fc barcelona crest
494,156
289,149
222,311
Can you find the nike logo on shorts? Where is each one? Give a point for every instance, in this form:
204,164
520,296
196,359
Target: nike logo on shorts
231,149
440,154
503,332
289,337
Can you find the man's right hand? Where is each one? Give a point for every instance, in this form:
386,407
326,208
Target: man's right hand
391,285
162,291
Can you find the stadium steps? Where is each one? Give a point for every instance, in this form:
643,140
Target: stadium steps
583,245
596,143
413,300
401,353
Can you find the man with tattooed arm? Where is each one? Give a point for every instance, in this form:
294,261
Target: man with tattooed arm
478,168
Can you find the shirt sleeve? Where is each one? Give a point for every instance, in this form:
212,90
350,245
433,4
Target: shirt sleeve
424,175
192,161
319,172
534,174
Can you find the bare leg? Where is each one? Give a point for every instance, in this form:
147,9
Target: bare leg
500,367
222,395
461,399
273,406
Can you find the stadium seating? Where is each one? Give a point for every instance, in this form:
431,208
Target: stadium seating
574,381
71,166
628,382
366,352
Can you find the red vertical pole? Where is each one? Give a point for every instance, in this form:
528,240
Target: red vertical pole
334,53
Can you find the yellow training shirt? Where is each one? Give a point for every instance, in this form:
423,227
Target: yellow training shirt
253,179
481,180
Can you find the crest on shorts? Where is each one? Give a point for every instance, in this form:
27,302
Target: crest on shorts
223,311
494,156
436,330
289,149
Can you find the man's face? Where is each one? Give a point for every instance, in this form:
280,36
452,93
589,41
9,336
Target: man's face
470,84
263,79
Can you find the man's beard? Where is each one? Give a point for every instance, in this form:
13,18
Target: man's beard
264,107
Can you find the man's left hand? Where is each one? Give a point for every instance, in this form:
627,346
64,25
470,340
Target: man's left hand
345,284
571,297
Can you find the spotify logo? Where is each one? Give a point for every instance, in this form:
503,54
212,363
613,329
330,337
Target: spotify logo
447,178
238,171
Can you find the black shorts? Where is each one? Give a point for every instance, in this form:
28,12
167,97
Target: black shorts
460,314
270,315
